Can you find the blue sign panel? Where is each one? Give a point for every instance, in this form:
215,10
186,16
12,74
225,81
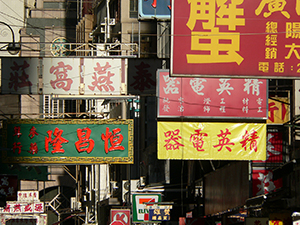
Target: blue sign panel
155,9
159,214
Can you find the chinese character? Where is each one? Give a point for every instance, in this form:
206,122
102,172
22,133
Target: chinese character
32,132
33,149
266,185
19,74
272,109
166,108
224,86
181,107
61,81
4,181
273,6
171,85
250,139
172,142
224,140
263,66
56,142
197,139
17,146
254,83
206,108
271,40
207,101
143,78
17,208
292,30
103,81
38,207
292,50
271,53
197,86
115,139
84,143
271,27
245,101
17,131
278,67
222,109
270,147
28,208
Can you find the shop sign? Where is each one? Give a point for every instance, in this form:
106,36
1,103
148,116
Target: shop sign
279,110
9,186
235,39
159,212
211,97
28,196
16,207
154,9
263,183
122,215
68,141
140,212
215,141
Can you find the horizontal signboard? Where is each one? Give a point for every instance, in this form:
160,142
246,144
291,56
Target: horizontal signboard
68,141
211,97
154,9
235,39
216,141
69,76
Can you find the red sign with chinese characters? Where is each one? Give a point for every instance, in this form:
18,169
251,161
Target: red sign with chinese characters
211,97
236,38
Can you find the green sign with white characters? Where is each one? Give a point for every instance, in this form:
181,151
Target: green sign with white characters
63,141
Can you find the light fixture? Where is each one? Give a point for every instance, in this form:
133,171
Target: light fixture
13,48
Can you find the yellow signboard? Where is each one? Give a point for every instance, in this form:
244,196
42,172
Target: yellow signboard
216,141
279,110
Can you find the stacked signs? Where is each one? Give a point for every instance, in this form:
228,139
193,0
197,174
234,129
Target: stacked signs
211,98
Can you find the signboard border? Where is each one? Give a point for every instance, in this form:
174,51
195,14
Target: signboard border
65,159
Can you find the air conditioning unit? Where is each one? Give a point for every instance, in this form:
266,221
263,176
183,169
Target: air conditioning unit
134,185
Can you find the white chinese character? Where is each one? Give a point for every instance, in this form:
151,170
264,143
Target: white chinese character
181,108
2,191
171,85
254,83
197,86
166,108
206,101
206,108
166,100
266,184
224,86
181,100
222,101
245,109
222,109
245,101
259,109
4,181
11,190
271,148
259,101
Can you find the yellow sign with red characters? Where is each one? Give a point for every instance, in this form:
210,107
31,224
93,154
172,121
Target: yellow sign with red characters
278,110
216,141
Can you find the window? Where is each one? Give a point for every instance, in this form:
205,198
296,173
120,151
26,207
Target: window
133,12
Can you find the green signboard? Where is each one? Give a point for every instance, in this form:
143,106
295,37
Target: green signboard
63,141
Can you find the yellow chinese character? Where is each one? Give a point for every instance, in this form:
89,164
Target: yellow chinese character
263,66
228,14
156,211
279,67
293,49
271,27
271,53
273,6
292,30
167,212
202,10
222,47
159,218
153,217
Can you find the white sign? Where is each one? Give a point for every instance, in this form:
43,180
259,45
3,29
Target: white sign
28,196
14,207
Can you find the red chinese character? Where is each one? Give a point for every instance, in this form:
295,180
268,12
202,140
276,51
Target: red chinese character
114,138
17,131
197,139
56,142
32,132
61,81
174,136
223,141
17,208
38,207
17,146
251,139
28,208
272,108
84,143
19,74
143,79
102,82
33,149
7,208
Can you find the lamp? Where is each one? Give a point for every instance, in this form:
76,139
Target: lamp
13,48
